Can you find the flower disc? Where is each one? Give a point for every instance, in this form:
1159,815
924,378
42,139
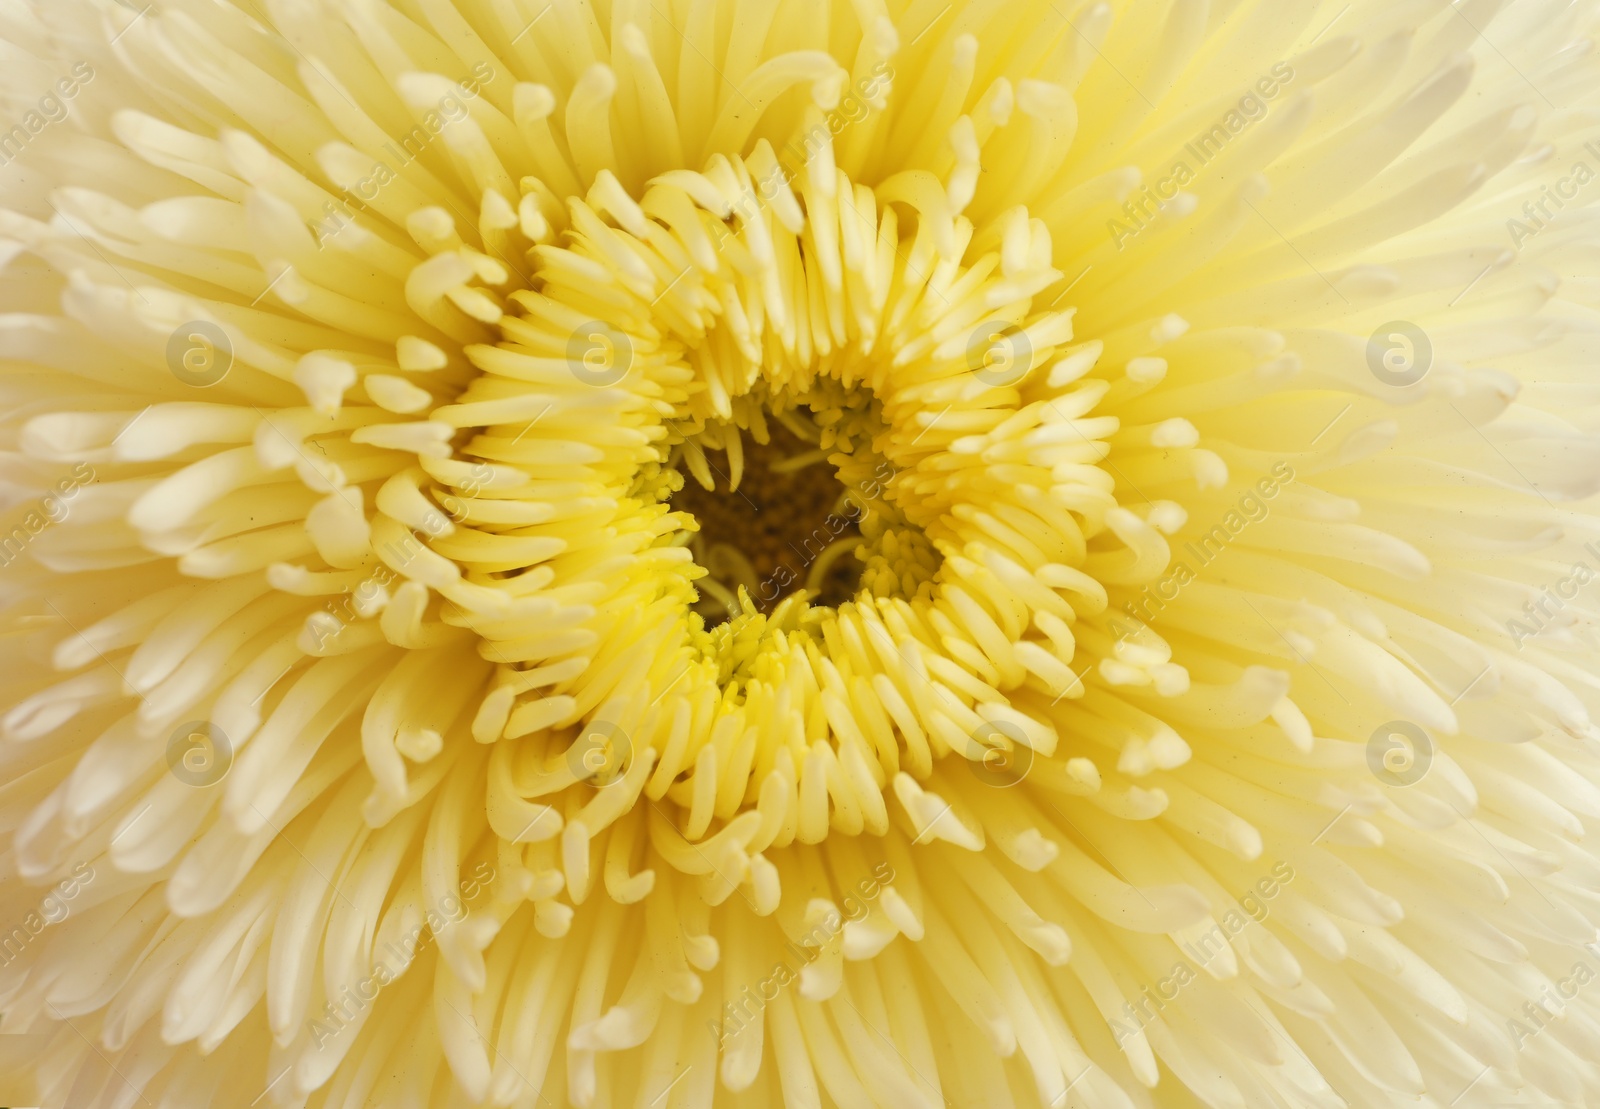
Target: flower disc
863,555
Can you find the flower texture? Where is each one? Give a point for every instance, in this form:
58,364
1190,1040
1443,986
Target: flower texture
797,553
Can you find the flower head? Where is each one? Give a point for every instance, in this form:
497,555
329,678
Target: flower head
734,552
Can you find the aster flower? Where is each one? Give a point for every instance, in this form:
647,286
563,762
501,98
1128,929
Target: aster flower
722,552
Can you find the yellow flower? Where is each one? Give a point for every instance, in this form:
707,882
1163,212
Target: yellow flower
775,553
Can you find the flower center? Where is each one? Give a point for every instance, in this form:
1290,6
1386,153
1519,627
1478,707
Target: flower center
790,524
744,469
809,509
